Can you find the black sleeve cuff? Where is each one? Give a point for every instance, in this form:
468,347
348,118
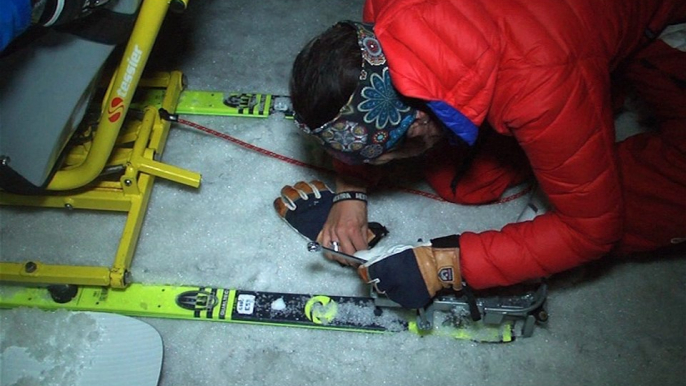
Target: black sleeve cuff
452,241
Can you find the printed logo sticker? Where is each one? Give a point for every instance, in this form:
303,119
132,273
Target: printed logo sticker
115,109
446,275
321,310
197,300
245,304
241,101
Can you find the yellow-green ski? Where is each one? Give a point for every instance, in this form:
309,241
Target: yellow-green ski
345,313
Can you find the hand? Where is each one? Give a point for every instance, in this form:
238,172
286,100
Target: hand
412,276
346,225
347,222
305,207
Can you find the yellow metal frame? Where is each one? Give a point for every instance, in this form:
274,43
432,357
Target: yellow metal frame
119,141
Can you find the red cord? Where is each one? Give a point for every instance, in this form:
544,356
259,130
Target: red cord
322,169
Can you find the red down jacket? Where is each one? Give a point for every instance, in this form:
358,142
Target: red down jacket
537,70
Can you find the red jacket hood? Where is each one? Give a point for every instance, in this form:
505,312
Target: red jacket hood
416,35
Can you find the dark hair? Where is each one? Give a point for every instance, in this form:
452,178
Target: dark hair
325,74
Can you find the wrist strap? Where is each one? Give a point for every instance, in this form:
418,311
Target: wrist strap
471,301
345,196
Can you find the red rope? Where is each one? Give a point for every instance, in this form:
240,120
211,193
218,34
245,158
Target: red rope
296,162
253,147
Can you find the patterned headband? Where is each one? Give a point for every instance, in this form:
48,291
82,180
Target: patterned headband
375,119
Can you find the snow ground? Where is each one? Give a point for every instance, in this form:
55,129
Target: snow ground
611,323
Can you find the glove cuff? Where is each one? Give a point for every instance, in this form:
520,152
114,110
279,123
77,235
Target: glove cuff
440,264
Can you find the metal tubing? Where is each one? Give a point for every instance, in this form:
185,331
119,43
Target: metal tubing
128,74
36,272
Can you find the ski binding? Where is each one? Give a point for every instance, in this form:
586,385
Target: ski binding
524,306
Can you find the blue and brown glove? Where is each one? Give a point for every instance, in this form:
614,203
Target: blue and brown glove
412,275
305,207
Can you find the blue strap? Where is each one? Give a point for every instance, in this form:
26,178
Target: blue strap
454,120
15,18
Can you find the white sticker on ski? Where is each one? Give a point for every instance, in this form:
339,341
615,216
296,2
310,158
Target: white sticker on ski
246,304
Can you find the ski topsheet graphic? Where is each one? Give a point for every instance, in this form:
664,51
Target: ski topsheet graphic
503,318
219,304
232,104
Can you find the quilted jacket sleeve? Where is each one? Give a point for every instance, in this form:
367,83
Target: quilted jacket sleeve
553,98
561,117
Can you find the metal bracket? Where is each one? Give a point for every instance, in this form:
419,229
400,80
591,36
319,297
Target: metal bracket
523,305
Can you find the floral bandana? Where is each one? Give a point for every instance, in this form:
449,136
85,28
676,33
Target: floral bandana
375,118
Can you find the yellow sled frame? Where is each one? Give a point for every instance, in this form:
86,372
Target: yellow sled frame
119,141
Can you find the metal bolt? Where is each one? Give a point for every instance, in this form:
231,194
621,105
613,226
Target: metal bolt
30,267
128,182
424,325
68,206
4,160
542,316
313,246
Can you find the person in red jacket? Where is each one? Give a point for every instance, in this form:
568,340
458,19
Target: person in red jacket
491,92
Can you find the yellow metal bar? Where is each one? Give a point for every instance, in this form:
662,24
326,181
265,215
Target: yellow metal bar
155,80
170,172
130,194
152,136
147,164
133,148
130,235
128,74
96,199
173,91
35,272
144,133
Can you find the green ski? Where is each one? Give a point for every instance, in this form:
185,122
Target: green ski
344,313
